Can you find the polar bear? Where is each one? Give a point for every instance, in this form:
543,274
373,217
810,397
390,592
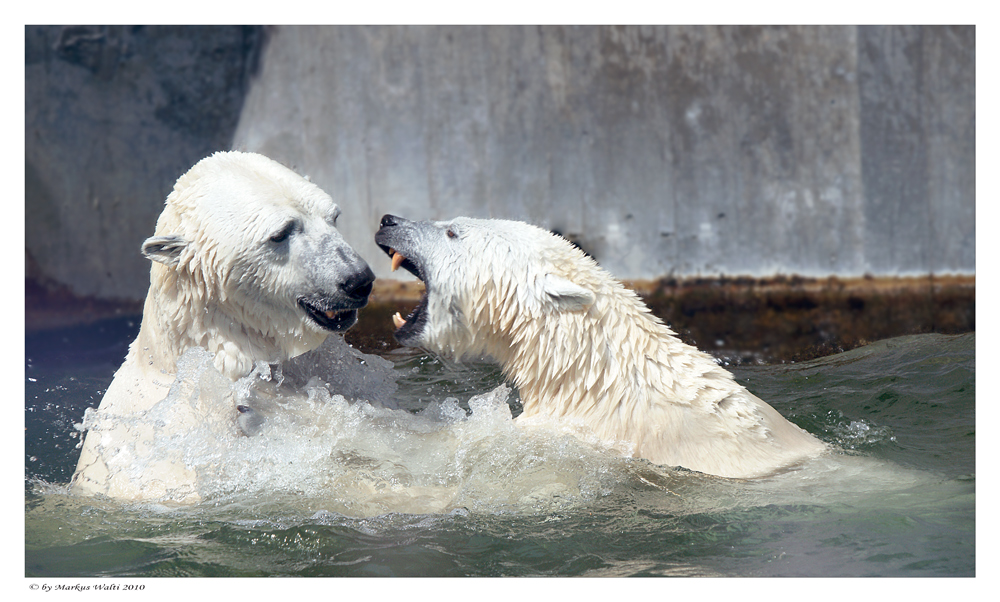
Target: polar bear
582,349
247,263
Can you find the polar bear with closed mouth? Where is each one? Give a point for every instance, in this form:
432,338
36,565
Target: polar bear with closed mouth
582,349
247,263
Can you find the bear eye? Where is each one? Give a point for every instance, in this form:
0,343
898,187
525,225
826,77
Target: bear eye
283,234
451,233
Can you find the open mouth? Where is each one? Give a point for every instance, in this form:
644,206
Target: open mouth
323,312
409,328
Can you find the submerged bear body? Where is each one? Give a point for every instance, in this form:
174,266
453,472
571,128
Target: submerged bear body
247,264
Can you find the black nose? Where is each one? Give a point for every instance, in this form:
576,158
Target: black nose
389,220
359,285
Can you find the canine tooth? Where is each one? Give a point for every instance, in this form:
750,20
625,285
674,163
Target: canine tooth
397,259
330,314
398,320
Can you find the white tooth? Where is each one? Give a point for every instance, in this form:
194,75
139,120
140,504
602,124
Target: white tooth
398,320
331,314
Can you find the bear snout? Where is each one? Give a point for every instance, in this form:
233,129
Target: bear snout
389,220
358,285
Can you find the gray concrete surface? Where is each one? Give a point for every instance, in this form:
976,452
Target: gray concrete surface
113,115
662,151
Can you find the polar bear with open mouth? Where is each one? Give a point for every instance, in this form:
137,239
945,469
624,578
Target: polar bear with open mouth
247,263
582,349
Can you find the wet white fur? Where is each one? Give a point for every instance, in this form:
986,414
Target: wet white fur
216,282
584,350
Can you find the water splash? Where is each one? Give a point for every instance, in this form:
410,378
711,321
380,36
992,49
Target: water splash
317,443
334,489
313,448
860,434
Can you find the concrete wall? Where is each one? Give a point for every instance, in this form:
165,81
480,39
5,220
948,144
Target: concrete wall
661,150
113,115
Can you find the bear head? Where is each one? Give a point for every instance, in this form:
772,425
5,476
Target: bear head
248,263
484,279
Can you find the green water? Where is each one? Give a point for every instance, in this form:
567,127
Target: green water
898,500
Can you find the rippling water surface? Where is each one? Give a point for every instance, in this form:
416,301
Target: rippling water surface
436,479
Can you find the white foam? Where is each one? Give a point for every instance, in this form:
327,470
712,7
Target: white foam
321,450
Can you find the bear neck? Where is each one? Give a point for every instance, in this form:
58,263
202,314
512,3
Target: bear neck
177,317
597,364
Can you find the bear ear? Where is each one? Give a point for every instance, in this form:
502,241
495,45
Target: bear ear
565,295
164,249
